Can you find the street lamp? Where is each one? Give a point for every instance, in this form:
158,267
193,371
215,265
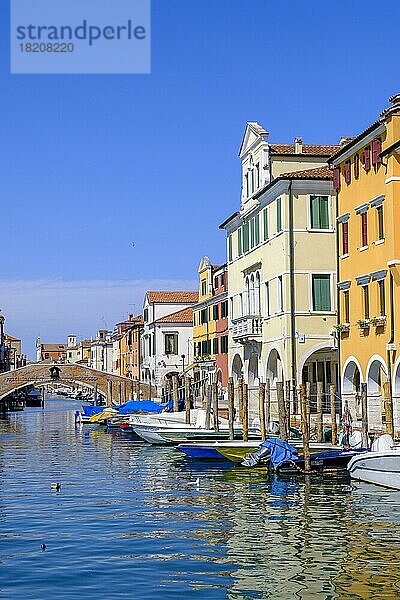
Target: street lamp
183,364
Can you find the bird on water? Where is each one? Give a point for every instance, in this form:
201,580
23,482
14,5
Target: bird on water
43,547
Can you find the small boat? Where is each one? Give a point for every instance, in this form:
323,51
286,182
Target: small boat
236,453
380,465
211,450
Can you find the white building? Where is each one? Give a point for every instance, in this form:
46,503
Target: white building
102,352
166,342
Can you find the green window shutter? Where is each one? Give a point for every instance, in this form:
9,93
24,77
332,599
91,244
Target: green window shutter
315,220
321,292
257,229
278,215
265,224
240,242
230,247
252,233
324,212
175,344
245,229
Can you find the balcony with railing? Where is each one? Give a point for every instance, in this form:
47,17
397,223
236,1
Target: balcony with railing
247,328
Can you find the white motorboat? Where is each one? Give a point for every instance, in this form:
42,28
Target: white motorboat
380,465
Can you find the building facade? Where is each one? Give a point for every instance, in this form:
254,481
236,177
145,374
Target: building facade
127,340
102,351
210,326
367,180
281,250
50,352
166,341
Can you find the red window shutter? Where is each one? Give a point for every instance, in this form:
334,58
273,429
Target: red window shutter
336,178
376,150
345,237
347,171
364,233
367,158
356,166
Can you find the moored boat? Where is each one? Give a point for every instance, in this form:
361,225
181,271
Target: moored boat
380,465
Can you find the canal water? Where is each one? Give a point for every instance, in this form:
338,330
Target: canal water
129,523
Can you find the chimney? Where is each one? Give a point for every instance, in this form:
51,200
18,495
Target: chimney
395,108
345,139
298,145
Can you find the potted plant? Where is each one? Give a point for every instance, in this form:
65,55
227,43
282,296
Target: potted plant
342,327
363,323
378,321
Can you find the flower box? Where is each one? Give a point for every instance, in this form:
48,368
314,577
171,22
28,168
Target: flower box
342,327
363,323
379,321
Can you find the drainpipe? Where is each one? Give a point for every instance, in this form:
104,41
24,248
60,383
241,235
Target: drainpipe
391,341
339,375
292,292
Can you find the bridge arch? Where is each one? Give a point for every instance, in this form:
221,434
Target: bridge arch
113,387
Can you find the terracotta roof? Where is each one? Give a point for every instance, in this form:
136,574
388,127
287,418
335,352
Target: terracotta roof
173,297
320,173
181,316
12,338
53,347
308,149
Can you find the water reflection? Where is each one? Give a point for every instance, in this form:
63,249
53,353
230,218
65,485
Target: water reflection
128,519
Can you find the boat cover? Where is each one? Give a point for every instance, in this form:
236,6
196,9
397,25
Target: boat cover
275,449
89,410
140,406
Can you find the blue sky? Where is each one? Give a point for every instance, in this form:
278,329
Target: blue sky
92,163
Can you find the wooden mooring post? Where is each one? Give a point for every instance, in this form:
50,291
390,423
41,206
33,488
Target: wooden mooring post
175,393
267,404
332,391
281,411
261,410
320,393
240,399
214,395
245,413
208,407
364,415
287,406
388,403
188,398
305,427
231,407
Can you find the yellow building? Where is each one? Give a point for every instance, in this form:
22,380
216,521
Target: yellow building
367,180
210,325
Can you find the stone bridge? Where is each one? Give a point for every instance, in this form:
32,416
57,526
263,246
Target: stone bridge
113,387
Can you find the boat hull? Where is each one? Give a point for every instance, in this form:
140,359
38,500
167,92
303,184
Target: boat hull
380,468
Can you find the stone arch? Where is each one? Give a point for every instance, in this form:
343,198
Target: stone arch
237,368
252,372
274,368
351,376
375,370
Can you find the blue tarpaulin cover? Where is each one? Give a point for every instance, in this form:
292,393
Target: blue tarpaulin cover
90,410
280,451
140,405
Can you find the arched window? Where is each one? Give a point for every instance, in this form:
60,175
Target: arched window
257,300
252,298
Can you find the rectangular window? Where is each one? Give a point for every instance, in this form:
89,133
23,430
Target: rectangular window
224,344
321,292
367,158
170,343
245,230
204,347
265,215
230,247
319,212
364,229
357,166
347,171
280,294
247,185
376,150
267,304
252,233
204,316
345,237
278,215
257,229
381,232
203,287
382,299
224,309
346,306
146,315
215,345
365,292
215,312
222,279
240,246
257,175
